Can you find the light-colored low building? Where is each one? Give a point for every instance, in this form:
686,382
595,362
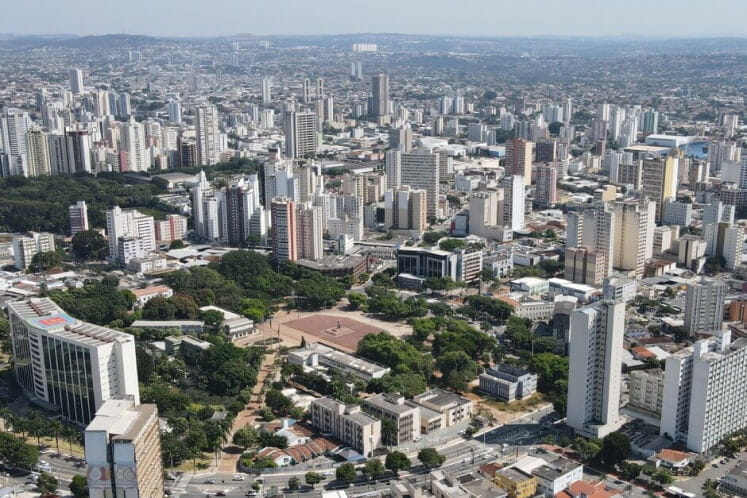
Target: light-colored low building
142,296
405,415
346,423
453,407
518,483
234,325
557,475
318,354
646,389
533,286
508,383
735,481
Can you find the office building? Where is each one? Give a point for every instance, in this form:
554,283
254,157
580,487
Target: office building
405,209
317,354
546,189
416,264
401,139
78,148
704,307
123,450
514,205
68,365
452,407
266,90
301,137
26,246
519,159
659,181
646,390
633,235
133,145
346,423
732,247
380,95
309,232
594,378
677,213
175,111
420,170
284,230
584,266
78,217
37,151
718,212
306,91
508,383
393,169
705,393
76,81
546,150
402,414
131,234
207,135
721,152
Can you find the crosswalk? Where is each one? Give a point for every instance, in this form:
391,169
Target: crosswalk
179,486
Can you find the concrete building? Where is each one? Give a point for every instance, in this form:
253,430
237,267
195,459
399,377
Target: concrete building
406,209
123,450
207,135
558,475
319,355
284,230
346,423
416,264
69,365
508,383
519,159
420,170
301,135
174,227
25,247
704,306
514,202
704,392
646,390
596,333
380,95
634,235
518,483
659,181
677,213
584,266
309,233
546,188
404,416
127,229
453,407
78,213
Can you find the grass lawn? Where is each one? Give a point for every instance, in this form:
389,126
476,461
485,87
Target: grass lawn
523,405
203,462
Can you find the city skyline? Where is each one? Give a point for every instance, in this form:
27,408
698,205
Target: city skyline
537,18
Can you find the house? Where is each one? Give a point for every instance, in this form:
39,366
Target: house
280,457
675,461
583,489
558,475
519,484
142,296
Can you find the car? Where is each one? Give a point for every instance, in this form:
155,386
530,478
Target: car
239,477
220,493
209,481
715,465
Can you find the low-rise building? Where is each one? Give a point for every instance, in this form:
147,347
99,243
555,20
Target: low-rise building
346,423
558,475
508,383
318,354
678,462
518,483
533,286
234,326
735,481
142,296
453,407
403,414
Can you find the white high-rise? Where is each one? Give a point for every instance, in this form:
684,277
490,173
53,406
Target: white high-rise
420,169
266,90
175,111
133,145
76,81
38,153
594,378
309,232
208,147
704,392
634,235
131,230
514,198
301,138
704,306
78,217
393,168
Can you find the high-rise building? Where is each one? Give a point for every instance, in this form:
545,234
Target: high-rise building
346,423
704,306
76,81
401,139
133,144
174,227
38,153
131,234
594,378
306,95
722,152
78,217
420,169
677,213
239,203
14,124
301,137
206,119
659,181
546,188
584,266
519,159
309,233
484,211
405,209
732,247
705,393
393,168
78,148
69,365
380,95
175,111
718,212
633,235
513,202
284,230
266,90
123,450
26,246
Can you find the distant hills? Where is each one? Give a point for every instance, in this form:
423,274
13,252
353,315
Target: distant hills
93,42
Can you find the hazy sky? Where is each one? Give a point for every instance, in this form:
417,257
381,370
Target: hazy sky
464,17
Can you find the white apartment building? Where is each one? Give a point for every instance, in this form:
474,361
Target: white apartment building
452,407
78,217
514,199
634,235
25,247
301,136
704,306
123,450
174,227
596,333
646,390
128,224
207,135
346,423
69,365
420,170
704,392
404,415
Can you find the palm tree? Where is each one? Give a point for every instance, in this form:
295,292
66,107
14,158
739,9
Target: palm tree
56,428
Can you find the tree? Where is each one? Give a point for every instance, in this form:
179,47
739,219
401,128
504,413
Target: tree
630,471
312,478
246,437
294,483
46,483
430,238
278,403
489,95
79,486
430,457
586,449
554,127
254,309
356,300
89,245
177,244
373,468
697,467
458,369
615,448
345,473
451,244
663,477
212,318
396,461
406,384
43,261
